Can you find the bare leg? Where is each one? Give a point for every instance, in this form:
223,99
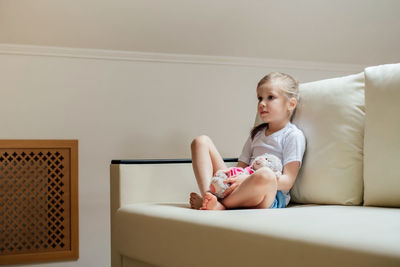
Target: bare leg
257,191
206,162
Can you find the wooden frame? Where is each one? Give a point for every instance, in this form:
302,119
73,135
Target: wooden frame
38,201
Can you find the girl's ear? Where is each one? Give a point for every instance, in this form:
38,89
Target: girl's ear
292,104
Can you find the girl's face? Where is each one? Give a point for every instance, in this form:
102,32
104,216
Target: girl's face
273,105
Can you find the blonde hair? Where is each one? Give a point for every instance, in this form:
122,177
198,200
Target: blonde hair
285,82
289,87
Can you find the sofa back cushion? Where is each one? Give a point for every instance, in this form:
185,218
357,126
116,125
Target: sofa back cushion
382,136
331,115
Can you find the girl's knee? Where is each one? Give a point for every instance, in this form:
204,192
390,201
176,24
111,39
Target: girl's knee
265,177
200,141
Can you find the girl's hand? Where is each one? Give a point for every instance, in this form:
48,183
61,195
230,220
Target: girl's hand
235,181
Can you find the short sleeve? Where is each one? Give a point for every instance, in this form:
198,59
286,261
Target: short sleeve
246,152
293,147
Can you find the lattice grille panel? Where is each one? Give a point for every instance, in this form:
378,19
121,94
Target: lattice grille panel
35,204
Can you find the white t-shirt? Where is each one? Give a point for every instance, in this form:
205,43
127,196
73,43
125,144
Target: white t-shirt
288,144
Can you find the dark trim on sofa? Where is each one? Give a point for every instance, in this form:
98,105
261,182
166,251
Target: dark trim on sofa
160,161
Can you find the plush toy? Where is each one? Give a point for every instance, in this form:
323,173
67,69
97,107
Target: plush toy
217,185
270,161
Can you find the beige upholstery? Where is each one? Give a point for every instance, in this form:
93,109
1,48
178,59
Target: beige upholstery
331,115
174,235
155,231
382,136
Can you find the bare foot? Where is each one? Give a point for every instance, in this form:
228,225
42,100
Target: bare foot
196,201
210,202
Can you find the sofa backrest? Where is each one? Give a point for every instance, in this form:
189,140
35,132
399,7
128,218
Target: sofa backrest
382,136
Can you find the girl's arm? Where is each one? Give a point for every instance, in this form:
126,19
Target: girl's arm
289,175
241,164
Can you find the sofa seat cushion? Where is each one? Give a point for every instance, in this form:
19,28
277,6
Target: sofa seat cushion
173,235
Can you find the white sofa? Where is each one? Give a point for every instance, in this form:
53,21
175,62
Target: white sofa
347,194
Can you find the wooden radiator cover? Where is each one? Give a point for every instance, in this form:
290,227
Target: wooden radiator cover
38,200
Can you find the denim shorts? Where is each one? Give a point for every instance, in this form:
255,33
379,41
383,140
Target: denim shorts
279,201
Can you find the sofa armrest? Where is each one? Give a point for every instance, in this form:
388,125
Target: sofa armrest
136,181
166,180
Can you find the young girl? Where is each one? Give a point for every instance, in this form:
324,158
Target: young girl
277,95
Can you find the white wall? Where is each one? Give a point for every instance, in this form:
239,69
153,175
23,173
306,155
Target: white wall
341,31
130,106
